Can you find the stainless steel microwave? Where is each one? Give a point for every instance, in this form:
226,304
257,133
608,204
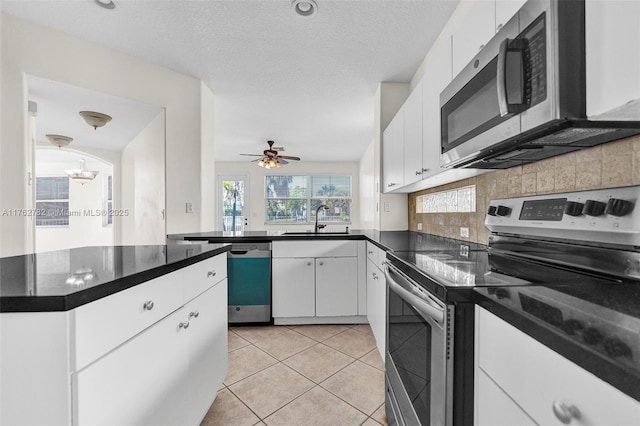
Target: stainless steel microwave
523,97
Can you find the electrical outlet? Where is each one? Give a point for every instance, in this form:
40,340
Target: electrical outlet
387,207
189,207
464,232
419,227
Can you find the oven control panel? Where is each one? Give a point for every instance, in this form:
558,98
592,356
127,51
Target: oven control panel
609,216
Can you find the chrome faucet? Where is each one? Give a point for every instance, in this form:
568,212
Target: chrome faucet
321,225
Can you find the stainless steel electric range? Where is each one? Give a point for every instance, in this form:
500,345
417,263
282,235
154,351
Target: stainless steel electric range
553,258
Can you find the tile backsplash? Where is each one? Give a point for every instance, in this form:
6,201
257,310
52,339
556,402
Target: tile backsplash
605,166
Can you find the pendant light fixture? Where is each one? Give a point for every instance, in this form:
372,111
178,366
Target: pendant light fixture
95,119
81,175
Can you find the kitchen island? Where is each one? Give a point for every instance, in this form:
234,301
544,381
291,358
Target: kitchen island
113,335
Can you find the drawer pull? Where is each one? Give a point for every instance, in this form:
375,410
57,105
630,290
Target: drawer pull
211,274
148,305
194,314
370,252
321,263
308,263
565,413
375,276
184,325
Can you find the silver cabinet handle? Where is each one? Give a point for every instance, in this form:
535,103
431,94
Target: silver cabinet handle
184,325
321,263
499,27
375,276
425,170
194,314
418,173
148,305
211,274
565,413
391,184
481,47
308,263
370,252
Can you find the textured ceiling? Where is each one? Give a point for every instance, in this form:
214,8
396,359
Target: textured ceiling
306,82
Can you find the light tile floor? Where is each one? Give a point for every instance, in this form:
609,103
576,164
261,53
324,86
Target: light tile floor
301,375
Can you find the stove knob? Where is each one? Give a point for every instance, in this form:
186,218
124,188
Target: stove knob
617,348
593,208
492,211
573,208
617,207
503,211
592,336
572,326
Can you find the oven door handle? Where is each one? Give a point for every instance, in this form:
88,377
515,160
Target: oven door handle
404,289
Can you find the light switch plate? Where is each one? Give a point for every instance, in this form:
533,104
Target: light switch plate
387,207
189,207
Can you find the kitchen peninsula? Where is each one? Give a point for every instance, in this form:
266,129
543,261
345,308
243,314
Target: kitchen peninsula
94,324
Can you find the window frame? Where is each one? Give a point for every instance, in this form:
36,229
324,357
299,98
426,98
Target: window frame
310,214
40,216
107,203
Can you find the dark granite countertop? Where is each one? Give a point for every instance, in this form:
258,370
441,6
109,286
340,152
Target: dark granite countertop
65,279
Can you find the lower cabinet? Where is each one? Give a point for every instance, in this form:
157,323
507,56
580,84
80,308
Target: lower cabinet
309,287
520,381
376,304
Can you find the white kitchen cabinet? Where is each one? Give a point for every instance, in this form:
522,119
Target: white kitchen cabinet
613,59
393,153
293,287
317,280
336,286
413,136
207,348
147,370
494,407
536,378
140,382
435,79
475,30
505,10
376,303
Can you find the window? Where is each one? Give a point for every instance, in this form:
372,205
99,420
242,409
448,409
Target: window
290,199
52,201
107,190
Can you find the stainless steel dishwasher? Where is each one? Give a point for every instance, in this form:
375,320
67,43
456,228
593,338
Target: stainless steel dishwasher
249,273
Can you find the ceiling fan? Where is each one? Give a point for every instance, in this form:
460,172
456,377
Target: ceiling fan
270,158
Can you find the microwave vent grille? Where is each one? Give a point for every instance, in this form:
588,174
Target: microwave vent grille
569,136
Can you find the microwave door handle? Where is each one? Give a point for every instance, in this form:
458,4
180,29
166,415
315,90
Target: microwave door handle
436,314
506,74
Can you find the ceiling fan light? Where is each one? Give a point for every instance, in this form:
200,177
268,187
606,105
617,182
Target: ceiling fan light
278,165
261,163
81,175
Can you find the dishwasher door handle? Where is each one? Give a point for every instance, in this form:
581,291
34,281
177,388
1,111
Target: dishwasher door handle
435,313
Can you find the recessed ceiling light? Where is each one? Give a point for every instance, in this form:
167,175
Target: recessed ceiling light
107,4
304,7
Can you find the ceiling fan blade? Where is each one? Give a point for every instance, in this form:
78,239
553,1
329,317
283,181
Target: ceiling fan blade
283,162
287,157
254,155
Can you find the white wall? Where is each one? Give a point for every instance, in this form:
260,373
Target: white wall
209,212
83,229
143,186
256,176
368,199
42,52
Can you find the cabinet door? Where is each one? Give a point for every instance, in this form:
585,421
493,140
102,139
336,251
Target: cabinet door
393,154
613,56
376,304
413,136
436,78
474,32
505,10
494,407
336,286
140,382
207,345
293,287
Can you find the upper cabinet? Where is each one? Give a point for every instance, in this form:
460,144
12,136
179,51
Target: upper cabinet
613,64
413,147
479,24
393,153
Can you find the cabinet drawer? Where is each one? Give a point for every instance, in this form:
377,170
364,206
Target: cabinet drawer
100,326
315,248
201,276
372,252
536,378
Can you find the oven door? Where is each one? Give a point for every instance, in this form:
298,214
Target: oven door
419,375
